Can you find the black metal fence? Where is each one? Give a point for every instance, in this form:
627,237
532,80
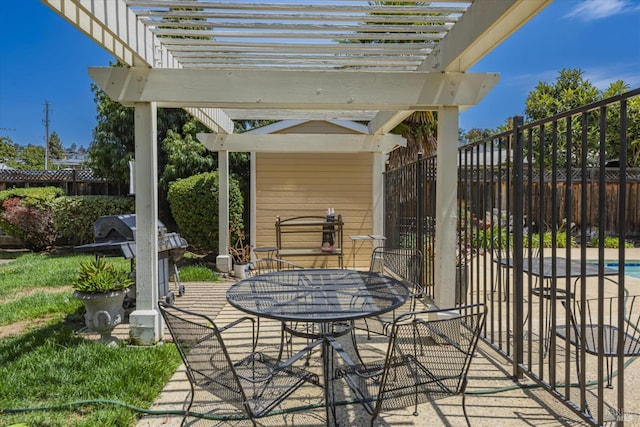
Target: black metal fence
536,207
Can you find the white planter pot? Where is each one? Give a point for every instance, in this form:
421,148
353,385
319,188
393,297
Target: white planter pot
103,311
239,270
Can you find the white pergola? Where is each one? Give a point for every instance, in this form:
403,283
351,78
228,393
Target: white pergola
225,60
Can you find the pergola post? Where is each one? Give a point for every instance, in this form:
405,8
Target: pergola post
379,160
145,325
223,260
446,202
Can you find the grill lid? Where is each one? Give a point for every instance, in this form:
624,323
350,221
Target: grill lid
119,227
116,234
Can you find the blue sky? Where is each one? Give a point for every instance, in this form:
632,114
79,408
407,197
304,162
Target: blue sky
43,58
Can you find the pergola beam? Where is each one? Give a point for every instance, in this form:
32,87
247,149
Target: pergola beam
112,25
307,143
485,25
286,89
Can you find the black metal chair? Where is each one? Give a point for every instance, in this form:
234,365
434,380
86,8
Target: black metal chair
267,265
585,330
427,358
502,250
253,385
404,263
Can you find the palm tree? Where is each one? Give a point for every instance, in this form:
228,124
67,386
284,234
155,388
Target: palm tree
420,130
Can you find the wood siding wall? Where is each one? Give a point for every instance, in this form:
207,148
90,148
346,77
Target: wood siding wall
296,184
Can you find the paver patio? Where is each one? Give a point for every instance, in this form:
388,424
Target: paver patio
493,397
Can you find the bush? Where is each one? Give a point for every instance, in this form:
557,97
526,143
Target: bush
74,216
611,242
194,206
27,213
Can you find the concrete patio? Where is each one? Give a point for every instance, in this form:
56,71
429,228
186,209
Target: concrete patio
492,396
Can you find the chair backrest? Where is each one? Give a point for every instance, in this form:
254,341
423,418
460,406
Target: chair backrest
429,355
503,247
607,309
267,265
204,354
405,263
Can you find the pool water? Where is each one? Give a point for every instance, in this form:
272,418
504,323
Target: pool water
631,268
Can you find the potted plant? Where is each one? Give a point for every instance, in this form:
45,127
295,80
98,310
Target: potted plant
240,251
101,287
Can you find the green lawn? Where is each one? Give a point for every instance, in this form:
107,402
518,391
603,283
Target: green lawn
46,364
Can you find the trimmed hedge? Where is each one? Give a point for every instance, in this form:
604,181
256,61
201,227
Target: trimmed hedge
194,206
44,216
74,216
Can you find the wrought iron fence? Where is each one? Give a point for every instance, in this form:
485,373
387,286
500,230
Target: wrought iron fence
537,204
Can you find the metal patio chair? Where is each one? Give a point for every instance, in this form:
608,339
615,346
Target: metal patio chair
427,358
502,257
252,385
585,330
266,265
405,263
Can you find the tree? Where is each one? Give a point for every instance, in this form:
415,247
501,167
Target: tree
113,138
477,134
569,91
186,156
55,147
8,150
419,129
32,157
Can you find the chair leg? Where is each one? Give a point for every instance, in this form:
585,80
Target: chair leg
464,410
186,412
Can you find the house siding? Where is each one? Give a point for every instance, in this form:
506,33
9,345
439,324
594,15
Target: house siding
299,184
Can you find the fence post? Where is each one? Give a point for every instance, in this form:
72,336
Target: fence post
518,221
420,213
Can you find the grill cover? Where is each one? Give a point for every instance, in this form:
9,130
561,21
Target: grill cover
117,233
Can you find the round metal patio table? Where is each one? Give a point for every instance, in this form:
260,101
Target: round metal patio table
322,296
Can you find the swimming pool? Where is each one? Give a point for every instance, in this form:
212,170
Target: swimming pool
631,268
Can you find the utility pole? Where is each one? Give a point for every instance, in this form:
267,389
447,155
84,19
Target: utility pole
46,136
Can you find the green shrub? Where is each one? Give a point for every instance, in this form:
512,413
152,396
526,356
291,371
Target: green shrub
194,206
27,213
611,242
74,216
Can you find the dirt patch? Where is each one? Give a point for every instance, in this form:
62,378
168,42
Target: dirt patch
22,326
32,291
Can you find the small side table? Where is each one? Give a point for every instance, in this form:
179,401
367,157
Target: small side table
361,238
265,252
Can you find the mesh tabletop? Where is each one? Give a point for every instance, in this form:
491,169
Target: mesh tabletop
317,295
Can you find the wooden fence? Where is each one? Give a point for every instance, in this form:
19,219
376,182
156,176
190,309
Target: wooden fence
75,182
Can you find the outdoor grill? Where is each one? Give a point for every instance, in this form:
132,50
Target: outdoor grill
116,235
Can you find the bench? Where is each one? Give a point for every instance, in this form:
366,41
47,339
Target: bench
301,236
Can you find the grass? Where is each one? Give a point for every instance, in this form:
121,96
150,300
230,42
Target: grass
198,273
48,364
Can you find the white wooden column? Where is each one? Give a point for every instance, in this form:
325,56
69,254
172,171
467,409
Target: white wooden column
223,261
446,212
145,325
252,199
379,160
